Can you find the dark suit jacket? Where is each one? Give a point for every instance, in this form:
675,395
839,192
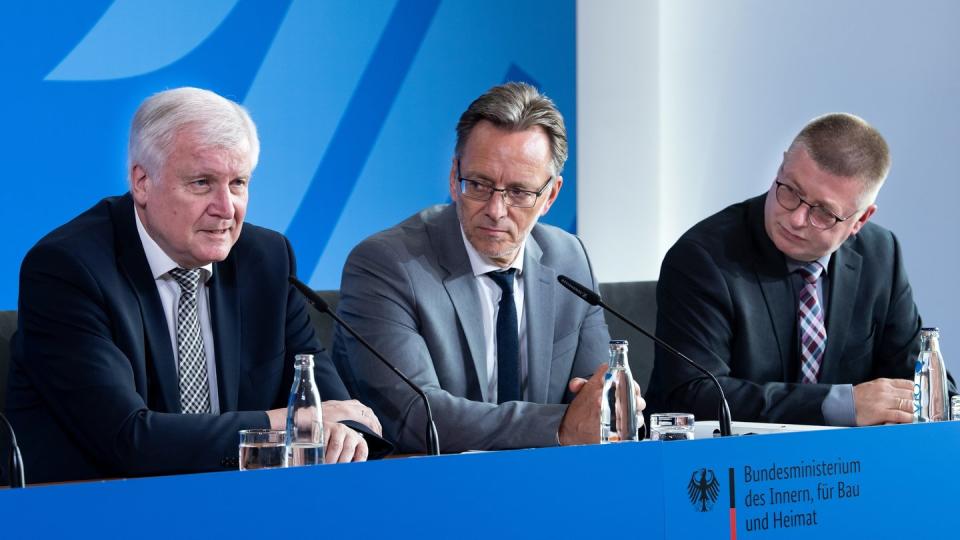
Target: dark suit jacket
725,298
410,290
93,389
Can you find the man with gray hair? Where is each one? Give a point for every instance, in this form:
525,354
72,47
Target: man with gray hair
794,300
156,325
464,297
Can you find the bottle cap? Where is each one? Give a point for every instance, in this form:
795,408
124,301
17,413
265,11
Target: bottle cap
619,342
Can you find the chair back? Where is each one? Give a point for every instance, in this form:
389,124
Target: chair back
637,301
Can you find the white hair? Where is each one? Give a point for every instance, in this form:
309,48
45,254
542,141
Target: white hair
215,120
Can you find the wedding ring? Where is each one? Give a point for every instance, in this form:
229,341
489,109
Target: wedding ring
899,403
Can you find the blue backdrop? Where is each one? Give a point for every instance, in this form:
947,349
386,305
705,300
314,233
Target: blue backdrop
356,104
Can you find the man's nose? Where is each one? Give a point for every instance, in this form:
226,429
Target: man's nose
799,216
497,205
221,203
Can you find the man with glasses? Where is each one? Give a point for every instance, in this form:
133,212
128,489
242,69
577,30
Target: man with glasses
794,300
464,297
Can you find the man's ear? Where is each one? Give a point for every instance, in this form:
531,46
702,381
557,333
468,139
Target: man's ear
138,184
864,218
551,194
454,181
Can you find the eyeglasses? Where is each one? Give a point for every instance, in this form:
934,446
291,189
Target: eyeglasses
817,216
480,191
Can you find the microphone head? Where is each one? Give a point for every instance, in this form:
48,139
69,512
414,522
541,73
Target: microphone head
580,290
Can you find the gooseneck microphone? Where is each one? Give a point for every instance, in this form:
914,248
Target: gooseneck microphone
592,298
433,443
17,477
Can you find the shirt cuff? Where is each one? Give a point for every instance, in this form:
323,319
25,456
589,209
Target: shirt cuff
838,408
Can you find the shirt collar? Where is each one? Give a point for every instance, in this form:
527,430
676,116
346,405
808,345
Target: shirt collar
793,265
161,263
482,265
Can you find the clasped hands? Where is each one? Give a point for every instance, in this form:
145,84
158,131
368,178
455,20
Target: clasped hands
341,443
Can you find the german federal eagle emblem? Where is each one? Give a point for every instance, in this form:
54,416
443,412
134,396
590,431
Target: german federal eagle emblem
703,489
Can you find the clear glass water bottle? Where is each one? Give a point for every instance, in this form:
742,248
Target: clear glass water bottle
931,403
304,417
618,404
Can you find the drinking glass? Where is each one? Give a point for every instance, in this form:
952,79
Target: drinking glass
671,426
262,449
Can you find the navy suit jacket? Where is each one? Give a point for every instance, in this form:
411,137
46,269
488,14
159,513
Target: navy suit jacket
93,389
725,298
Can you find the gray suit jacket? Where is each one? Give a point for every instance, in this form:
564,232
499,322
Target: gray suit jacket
411,292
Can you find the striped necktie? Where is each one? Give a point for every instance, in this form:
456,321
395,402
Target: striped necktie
813,333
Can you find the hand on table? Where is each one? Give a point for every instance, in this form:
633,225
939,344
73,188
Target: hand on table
342,444
336,411
883,401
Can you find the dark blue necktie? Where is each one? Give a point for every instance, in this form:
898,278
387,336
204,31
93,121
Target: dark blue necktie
508,340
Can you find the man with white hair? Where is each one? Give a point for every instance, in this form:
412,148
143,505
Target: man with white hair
156,325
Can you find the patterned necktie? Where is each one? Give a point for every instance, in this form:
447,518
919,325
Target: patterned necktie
813,333
508,339
194,391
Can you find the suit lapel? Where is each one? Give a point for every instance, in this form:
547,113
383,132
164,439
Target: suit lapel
133,264
461,286
775,285
225,322
538,309
844,280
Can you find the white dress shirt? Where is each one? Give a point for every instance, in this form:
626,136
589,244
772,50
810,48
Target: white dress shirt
490,294
160,266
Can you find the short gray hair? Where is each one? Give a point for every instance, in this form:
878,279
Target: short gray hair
846,145
516,106
217,121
